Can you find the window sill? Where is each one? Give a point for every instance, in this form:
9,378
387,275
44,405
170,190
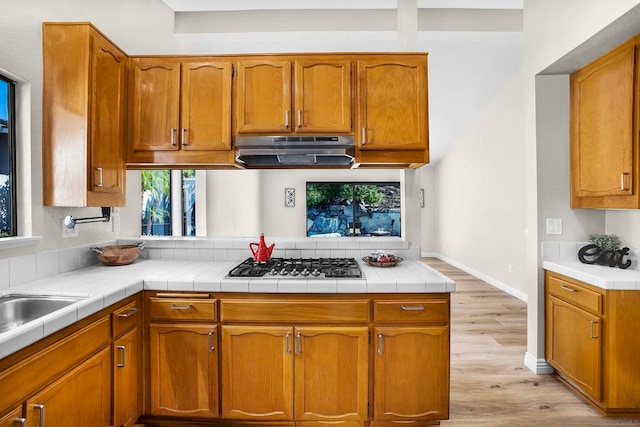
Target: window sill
18,242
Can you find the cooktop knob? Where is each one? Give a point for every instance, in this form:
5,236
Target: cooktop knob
315,272
305,272
273,272
294,272
283,272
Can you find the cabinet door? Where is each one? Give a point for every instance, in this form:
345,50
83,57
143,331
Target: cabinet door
264,96
13,418
602,137
155,106
411,373
331,372
257,372
574,346
322,96
108,68
127,396
393,105
184,370
206,106
80,398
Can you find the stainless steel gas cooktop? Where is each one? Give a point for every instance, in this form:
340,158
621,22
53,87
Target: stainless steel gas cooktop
298,268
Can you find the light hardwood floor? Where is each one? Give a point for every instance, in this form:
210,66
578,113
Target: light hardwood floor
490,386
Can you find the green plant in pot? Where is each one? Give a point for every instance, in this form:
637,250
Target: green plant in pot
606,242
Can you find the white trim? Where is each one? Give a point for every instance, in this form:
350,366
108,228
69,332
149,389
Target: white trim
18,242
522,296
537,366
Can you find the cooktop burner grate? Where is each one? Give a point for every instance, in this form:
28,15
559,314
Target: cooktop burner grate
296,268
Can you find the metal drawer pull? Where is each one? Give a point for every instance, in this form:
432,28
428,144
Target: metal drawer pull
568,289
298,343
211,347
181,307
101,182
364,136
184,140
299,118
129,313
412,307
21,421
288,348
124,355
591,331
173,136
380,344
286,118
41,408
623,185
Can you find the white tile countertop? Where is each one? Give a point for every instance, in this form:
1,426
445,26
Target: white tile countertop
101,286
601,276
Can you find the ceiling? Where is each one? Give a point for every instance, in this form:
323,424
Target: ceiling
475,46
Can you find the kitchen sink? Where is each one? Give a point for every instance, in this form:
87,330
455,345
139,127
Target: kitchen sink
16,310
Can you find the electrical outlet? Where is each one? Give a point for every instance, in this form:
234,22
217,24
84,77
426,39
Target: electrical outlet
509,268
554,226
68,232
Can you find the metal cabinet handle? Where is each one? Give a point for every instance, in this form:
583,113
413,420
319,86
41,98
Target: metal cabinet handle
41,408
287,346
183,138
568,289
623,181
412,307
128,314
211,346
100,182
380,343
124,356
173,136
591,329
298,343
21,421
286,118
364,136
299,118
180,307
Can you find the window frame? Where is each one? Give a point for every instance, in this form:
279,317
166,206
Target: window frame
11,141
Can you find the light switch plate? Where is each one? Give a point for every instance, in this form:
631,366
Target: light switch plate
554,226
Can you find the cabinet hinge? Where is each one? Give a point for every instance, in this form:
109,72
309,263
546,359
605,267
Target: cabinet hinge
368,409
369,337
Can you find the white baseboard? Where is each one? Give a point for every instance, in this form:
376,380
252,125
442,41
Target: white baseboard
490,280
538,366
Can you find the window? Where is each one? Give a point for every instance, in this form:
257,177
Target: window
353,208
160,199
8,215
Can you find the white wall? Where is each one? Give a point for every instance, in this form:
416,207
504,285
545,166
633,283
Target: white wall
479,193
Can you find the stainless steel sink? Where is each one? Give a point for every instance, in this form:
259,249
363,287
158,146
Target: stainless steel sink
16,310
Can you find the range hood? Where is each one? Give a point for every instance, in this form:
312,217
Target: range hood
295,151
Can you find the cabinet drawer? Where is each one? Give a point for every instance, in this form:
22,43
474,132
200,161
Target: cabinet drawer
422,310
125,318
294,311
574,293
182,309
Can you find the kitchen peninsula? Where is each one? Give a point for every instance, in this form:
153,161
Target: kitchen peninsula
365,351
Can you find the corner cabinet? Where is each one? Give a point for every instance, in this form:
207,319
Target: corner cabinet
604,146
392,119
592,341
84,104
318,102
180,112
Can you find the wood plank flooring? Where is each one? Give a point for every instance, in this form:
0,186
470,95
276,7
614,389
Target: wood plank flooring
490,386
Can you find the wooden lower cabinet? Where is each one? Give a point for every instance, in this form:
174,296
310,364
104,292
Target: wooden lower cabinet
80,398
13,418
257,372
411,373
127,387
183,370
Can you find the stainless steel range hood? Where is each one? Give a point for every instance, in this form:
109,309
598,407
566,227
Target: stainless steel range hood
295,151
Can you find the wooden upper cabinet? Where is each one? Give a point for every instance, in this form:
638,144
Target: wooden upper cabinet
392,95
604,114
264,96
180,105
155,104
322,96
84,104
